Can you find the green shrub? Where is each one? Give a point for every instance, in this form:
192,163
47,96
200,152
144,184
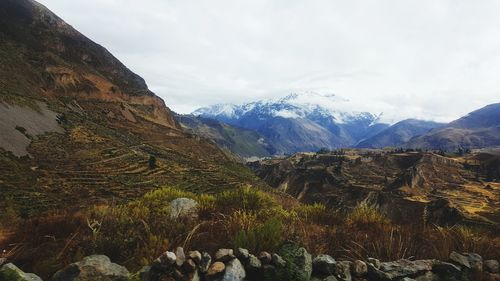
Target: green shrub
267,236
246,198
365,214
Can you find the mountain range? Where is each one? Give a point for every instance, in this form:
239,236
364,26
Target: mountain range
311,121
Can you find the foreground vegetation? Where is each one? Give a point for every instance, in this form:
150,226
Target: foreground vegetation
135,233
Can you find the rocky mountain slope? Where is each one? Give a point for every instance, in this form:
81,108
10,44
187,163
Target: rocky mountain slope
79,128
478,129
399,133
403,185
299,122
244,143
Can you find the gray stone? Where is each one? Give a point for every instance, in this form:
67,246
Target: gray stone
205,262
224,255
460,259
234,271
491,266
183,208
11,272
242,254
475,261
278,260
446,268
265,257
254,262
91,268
165,261
399,269
375,262
195,256
343,270
359,268
428,276
180,256
324,265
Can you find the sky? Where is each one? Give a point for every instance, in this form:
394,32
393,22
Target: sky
426,59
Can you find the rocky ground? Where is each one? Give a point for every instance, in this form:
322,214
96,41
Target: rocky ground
291,263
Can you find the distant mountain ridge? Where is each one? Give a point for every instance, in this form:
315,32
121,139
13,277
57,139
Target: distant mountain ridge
399,133
299,122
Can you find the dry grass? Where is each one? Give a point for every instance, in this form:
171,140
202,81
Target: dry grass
135,233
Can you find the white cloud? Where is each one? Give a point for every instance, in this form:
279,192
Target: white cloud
423,59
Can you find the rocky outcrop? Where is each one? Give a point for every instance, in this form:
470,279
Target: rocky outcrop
183,208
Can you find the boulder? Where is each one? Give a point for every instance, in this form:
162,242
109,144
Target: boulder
359,268
328,278
216,269
491,266
324,265
204,264
374,262
91,268
278,260
265,257
189,266
429,276
234,271
301,259
475,261
459,259
242,254
165,261
224,255
446,269
183,208
2,261
195,256
11,272
254,267
396,270
180,256
343,270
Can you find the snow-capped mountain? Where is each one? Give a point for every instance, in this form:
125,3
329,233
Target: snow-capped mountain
300,121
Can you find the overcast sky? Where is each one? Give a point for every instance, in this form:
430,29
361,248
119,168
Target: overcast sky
425,59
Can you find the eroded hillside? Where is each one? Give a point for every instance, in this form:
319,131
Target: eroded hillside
404,185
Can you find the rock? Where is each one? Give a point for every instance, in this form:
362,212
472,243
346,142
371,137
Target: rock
359,268
446,269
254,262
234,271
180,256
216,269
399,269
343,270
242,254
324,265
491,266
475,261
428,276
205,262
299,257
11,272
374,262
195,256
278,260
194,276
189,266
224,255
183,208
459,259
165,261
96,267
2,261
265,257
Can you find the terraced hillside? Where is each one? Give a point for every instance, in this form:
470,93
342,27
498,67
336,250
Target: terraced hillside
79,128
405,185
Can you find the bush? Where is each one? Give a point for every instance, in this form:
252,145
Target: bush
246,198
267,236
365,214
